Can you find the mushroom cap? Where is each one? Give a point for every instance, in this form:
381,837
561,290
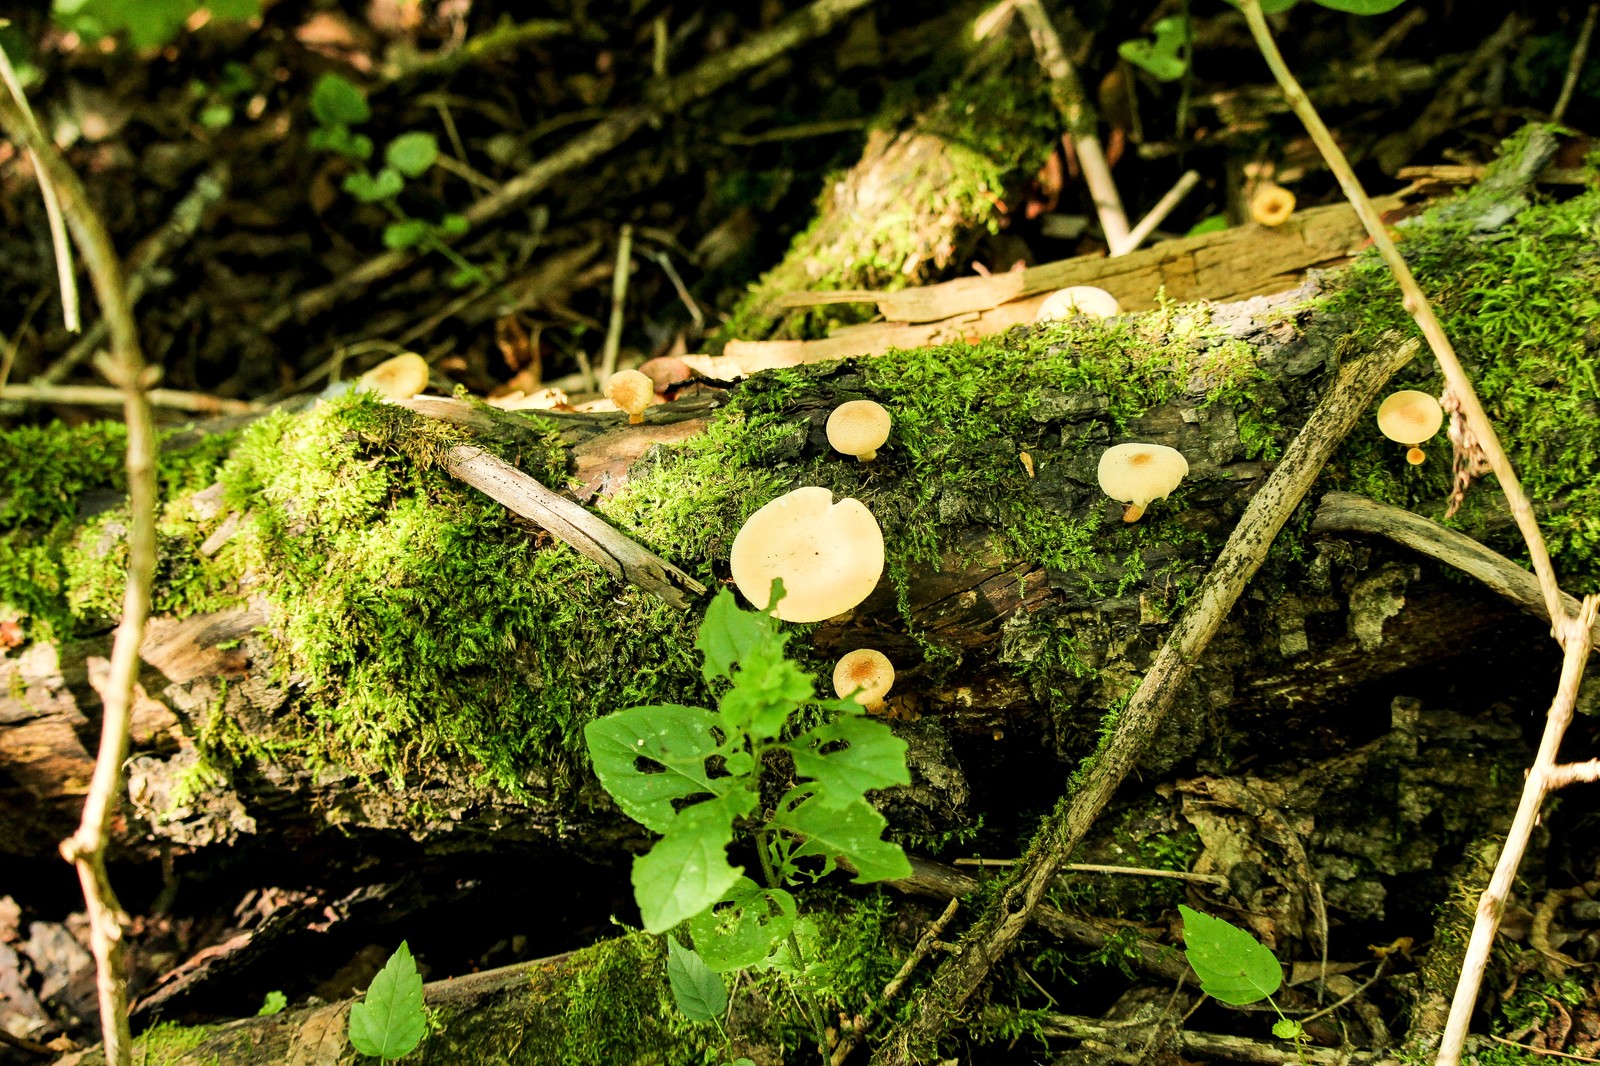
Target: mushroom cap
829,555
1271,204
1084,299
1410,417
1139,473
399,378
631,391
858,427
867,669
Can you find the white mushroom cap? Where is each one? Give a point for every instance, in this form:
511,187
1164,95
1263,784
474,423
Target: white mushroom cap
1139,473
632,392
829,555
868,670
1082,299
399,378
1410,417
859,428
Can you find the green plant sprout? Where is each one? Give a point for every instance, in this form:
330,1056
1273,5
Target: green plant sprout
338,104
1235,968
390,1020
272,1003
1167,57
694,775
215,101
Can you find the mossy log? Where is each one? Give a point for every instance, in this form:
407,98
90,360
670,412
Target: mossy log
349,638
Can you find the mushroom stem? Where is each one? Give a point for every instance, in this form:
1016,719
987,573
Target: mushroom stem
867,457
1416,456
1134,512
636,418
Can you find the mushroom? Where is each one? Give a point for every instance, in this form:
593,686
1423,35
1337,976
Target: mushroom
399,378
1410,417
865,675
829,555
1271,204
632,392
1083,299
859,428
1135,474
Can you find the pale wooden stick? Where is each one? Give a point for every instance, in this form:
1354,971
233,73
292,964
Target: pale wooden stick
1066,89
1158,214
1580,52
126,368
101,396
619,295
66,276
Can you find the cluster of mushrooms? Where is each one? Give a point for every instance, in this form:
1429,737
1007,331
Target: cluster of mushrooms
830,553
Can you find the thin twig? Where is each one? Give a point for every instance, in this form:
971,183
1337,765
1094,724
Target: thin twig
1336,1004
924,945
1066,90
1097,868
102,396
1158,214
1541,1050
66,274
955,982
1580,53
619,296
126,368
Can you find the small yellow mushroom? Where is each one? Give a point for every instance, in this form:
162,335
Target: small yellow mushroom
859,428
632,392
1077,299
1410,417
1271,204
1136,474
399,378
867,675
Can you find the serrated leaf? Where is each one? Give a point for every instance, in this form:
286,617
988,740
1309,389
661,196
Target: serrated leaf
1288,1029
853,832
728,634
389,1021
677,739
873,758
744,926
412,153
687,871
369,189
767,689
696,988
1232,965
337,101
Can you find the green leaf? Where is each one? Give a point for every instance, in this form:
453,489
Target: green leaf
147,23
1288,1029
339,139
687,871
1231,964
468,275
1362,7
336,101
412,153
369,189
676,742
389,1021
453,225
767,688
274,1002
234,9
1166,58
853,833
1209,224
744,926
697,989
407,233
728,634
873,758
215,116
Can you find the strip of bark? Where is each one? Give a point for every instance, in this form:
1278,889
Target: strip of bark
960,977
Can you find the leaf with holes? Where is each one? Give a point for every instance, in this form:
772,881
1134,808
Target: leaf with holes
853,833
1232,965
674,740
848,756
687,871
1166,58
744,926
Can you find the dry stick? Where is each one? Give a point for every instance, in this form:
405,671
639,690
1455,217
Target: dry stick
102,396
619,296
1347,401
126,368
1580,52
1066,91
66,276
1493,900
1161,210
697,84
925,944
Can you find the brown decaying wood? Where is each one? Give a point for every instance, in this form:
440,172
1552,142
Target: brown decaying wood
1357,386
126,368
696,84
1574,635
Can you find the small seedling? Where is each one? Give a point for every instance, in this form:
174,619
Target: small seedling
390,1021
1235,968
274,1002
1165,58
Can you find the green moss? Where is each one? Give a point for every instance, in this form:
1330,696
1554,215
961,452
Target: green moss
1521,307
168,1044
